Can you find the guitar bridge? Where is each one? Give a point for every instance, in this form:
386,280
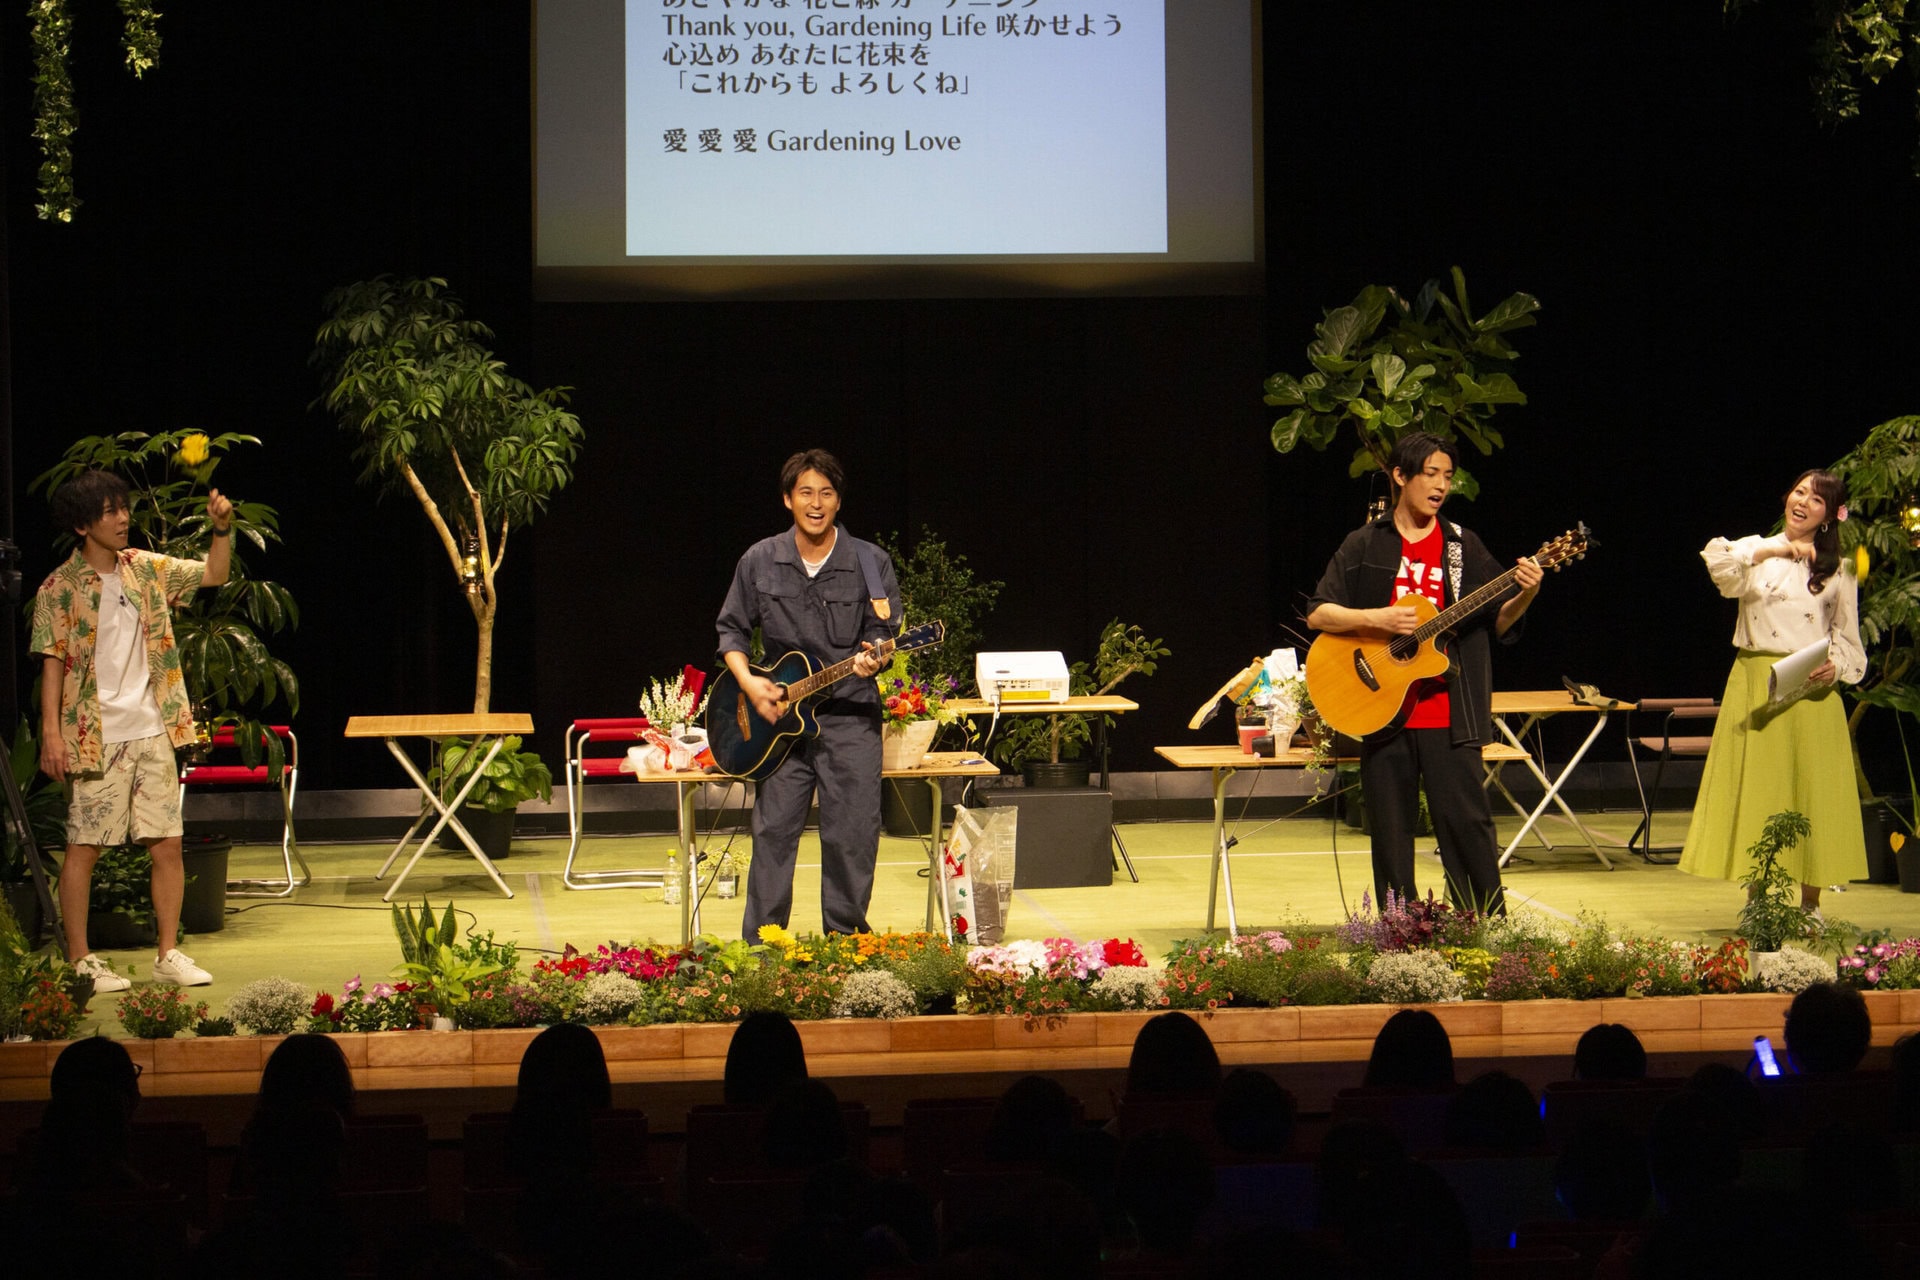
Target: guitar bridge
1365,672
740,716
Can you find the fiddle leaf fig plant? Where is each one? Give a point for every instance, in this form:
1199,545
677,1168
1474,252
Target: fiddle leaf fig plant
1383,367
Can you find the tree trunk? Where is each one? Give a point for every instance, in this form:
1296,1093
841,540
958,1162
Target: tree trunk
483,663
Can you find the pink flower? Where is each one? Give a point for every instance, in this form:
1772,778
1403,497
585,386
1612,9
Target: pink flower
381,991
353,985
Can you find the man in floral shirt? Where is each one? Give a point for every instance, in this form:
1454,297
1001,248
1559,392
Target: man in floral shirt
114,705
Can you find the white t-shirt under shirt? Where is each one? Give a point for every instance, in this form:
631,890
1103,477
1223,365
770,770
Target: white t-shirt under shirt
128,709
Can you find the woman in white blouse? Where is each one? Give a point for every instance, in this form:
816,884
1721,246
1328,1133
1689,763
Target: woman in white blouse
1793,591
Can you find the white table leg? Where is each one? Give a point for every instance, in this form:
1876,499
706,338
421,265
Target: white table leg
689,791
447,819
936,865
1552,795
1222,869
1495,769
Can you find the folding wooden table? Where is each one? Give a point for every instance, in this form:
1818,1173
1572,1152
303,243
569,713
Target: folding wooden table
1225,760
1531,707
489,734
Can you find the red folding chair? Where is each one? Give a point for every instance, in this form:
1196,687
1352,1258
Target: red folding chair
581,769
240,775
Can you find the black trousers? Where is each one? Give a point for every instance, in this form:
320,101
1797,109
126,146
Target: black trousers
843,764
1392,767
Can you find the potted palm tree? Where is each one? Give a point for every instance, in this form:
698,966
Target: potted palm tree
434,415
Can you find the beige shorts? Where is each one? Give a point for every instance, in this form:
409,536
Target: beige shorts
134,796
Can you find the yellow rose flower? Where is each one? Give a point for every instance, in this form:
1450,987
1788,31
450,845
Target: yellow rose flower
1861,562
193,450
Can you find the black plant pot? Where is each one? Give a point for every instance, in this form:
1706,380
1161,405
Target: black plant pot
493,832
906,808
1066,773
203,907
24,903
1878,823
1908,859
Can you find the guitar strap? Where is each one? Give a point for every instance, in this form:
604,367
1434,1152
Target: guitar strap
1456,572
869,557
1456,562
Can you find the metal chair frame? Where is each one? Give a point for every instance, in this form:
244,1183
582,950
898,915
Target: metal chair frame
288,786
579,734
1676,709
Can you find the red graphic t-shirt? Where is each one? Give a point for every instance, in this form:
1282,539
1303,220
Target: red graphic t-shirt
1423,572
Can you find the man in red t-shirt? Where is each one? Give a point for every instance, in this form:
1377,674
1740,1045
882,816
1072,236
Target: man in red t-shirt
1437,738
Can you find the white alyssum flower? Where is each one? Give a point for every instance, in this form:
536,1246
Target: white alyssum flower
1128,986
1789,970
607,997
270,1006
875,993
1415,977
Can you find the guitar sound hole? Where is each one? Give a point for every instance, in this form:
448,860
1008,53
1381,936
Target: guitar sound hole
1403,648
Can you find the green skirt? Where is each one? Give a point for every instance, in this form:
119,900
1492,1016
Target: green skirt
1767,760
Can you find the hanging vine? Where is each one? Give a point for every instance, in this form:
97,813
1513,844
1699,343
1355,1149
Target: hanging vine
1856,43
142,36
55,119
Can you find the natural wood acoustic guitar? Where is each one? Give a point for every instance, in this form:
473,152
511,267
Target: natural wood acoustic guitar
1358,680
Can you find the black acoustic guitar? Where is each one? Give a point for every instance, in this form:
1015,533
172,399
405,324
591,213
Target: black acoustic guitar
744,745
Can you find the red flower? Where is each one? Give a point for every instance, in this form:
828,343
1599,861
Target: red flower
1116,952
323,1005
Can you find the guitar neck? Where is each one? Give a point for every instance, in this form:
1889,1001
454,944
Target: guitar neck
1468,605
800,690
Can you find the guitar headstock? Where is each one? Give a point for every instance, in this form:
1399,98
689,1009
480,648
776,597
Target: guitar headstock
924,636
1571,545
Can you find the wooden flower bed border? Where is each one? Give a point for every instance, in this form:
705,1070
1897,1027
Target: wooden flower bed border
398,1058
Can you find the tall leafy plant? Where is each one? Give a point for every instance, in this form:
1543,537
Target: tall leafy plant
936,583
46,806
232,676
1383,367
1856,44
1883,495
434,414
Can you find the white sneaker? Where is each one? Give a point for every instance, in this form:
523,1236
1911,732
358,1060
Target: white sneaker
180,970
104,978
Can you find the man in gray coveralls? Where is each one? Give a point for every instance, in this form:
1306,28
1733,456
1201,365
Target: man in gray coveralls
833,596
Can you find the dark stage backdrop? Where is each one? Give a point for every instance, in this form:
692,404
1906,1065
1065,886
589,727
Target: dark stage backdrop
1723,288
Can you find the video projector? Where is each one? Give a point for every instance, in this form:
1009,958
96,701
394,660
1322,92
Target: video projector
1021,677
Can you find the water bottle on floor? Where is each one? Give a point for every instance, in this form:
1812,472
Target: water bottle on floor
672,894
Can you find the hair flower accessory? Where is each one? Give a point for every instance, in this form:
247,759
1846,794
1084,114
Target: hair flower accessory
1841,514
